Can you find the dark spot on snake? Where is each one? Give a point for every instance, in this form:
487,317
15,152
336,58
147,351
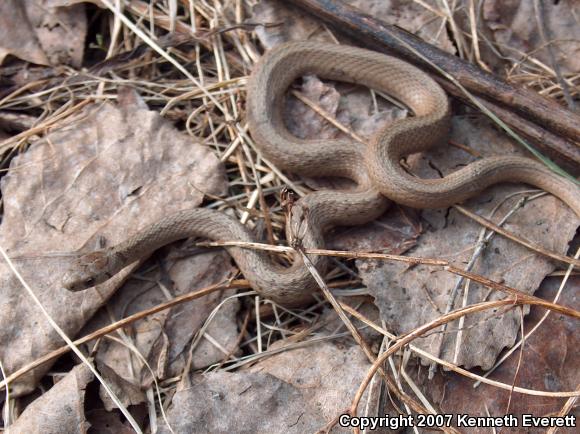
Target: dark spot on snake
245,390
435,168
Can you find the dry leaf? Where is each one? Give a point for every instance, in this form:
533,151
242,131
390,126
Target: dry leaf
514,27
296,391
305,123
242,402
113,171
60,410
549,362
17,35
223,330
36,31
127,392
364,305
289,23
416,17
396,231
104,422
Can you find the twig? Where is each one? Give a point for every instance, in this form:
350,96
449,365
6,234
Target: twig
507,410
43,126
527,298
481,245
6,413
325,252
323,113
570,402
553,145
409,259
356,334
376,33
536,326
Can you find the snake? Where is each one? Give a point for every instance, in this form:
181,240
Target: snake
374,167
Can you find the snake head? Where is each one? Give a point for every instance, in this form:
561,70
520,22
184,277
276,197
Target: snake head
87,271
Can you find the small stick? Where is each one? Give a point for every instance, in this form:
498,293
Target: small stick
325,252
288,203
519,295
356,334
453,367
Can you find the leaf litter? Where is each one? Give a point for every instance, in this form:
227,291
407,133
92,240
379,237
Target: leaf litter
41,33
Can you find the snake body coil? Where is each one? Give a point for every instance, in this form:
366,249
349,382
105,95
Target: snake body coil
375,169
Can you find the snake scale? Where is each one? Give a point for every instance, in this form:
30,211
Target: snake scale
375,169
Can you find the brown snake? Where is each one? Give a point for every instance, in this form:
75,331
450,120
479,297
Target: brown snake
374,168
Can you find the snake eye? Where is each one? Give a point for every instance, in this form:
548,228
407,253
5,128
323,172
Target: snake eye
89,282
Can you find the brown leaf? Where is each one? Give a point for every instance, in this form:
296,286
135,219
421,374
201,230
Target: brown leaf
17,35
295,391
113,171
549,362
104,422
515,29
37,32
223,330
363,305
240,402
292,24
127,392
394,232
411,16
304,122
60,410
